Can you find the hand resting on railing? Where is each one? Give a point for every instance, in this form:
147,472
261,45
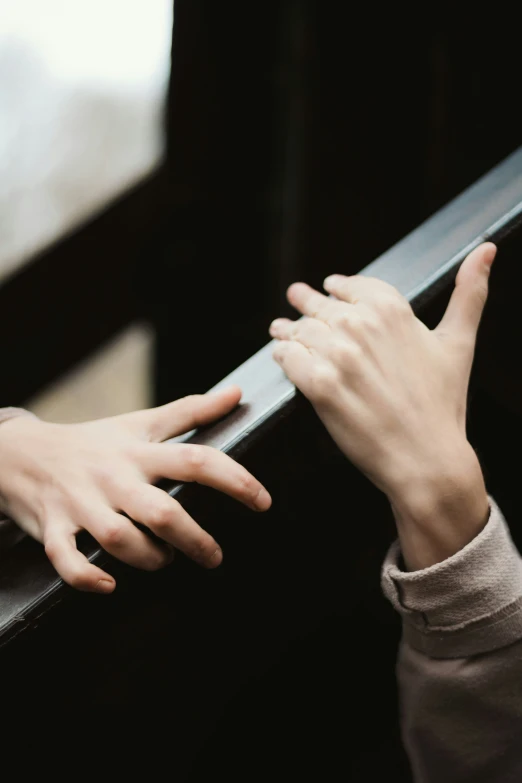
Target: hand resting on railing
57,479
393,394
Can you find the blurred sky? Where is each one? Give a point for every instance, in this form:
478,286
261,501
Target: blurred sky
82,84
122,43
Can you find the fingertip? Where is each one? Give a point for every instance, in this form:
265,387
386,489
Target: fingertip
235,391
89,580
274,329
485,251
490,251
96,580
477,262
293,289
214,560
332,281
232,393
105,586
263,500
74,568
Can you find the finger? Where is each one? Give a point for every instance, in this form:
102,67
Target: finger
465,308
310,332
308,301
180,416
121,539
359,288
168,519
72,565
205,465
311,375
316,306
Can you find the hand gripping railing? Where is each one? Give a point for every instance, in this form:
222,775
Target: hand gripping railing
419,266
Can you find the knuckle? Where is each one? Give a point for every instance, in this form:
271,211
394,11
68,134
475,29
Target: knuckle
323,383
304,328
161,517
394,306
80,579
191,400
113,534
105,475
356,324
322,312
280,351
157,563
247,485
370,323
383,287
347,355
136,494
342,320
51,550
195,458
102,471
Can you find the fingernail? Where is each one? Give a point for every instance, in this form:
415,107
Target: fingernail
263,500
105,586
332,280
215,559
274,325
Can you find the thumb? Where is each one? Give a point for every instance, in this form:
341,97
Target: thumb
175,418
464,311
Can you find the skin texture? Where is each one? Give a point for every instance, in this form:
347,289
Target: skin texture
56,480
393,393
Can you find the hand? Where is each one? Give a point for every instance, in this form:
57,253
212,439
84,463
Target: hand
56,480
392,393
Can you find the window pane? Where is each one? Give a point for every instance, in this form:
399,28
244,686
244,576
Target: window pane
82,85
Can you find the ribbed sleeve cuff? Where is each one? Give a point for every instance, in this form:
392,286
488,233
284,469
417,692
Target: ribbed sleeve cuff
469,604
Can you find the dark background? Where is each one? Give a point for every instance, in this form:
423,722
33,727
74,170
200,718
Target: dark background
303,138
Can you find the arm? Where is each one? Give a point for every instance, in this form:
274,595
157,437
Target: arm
392,394
57,480
460,660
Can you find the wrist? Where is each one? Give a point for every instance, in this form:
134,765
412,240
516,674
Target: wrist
13,424
441,509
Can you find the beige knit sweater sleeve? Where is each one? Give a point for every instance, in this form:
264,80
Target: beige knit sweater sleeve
460,660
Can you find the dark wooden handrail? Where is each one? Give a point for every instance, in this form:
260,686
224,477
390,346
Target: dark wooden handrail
420,266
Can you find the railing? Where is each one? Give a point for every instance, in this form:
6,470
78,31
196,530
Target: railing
421,265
